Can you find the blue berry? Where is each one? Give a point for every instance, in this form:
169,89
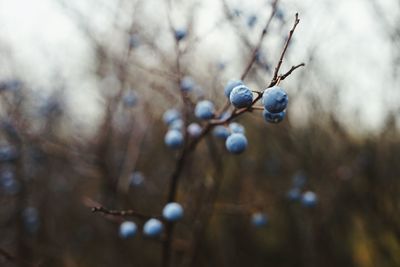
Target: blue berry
260,57
173,212
8,182
236,143
134,40
309,199
180,34
10,85
230,85
299,179
31,220
174,139
236,128
170,115
273,117
187,84
51,106
275,99
129,99
259,219
194,129
8,153
127,229
153,228
221,65
251,21
8,126
136,179
11,187
294,194
236,12
279,14
204,110
176,125
241,97
221,132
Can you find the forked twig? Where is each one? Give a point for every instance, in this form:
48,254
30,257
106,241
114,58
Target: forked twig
258,46
278,66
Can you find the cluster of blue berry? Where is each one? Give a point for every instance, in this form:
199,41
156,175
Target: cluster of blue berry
240,96
307,198
153,227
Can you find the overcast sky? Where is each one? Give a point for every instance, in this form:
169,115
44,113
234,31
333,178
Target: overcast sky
352,47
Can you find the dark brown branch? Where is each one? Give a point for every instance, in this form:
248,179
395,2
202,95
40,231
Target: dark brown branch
258,46
293,68
274,80
11,258
98,208
278,66
7,255
169,228
122,213
200,228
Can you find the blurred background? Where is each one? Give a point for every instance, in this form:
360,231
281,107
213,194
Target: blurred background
83,89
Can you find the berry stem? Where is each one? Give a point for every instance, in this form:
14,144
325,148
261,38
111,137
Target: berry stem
257,108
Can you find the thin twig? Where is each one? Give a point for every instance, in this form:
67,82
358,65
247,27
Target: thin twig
258,46
11,258
98,208
255,50
293,68
7,255
274,80
257,108
122,213
278,66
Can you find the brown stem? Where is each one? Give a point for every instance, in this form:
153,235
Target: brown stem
258,46
166,249
121,213
208,209
293,68
278,66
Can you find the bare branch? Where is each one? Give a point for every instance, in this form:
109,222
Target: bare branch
7,255
98,208
278,66
122,213
11,258
258,46
293,68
